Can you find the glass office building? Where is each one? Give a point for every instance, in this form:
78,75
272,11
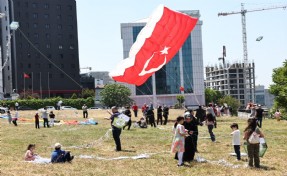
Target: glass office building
184,69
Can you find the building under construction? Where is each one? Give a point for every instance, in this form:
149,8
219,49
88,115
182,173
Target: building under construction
232,79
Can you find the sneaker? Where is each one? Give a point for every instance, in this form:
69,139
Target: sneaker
180,165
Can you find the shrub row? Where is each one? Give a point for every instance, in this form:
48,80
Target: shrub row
40,103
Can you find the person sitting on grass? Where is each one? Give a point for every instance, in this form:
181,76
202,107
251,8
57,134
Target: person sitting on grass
61,156
30,155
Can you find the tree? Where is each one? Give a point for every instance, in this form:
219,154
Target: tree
86,93
116,95
180,99
279,88
231,102
29,95
212,96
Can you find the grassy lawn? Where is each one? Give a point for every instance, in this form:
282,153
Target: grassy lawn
153,141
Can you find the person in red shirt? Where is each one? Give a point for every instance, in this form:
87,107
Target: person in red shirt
144,109
135,109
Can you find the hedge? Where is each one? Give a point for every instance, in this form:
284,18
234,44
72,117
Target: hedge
40,103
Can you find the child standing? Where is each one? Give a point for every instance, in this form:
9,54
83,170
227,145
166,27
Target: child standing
236,140
14,120
9,117
37,123
210,122
179,139
52,118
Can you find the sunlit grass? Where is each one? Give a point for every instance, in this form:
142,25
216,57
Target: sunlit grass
155,141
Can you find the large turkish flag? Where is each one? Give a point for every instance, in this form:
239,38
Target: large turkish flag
156,45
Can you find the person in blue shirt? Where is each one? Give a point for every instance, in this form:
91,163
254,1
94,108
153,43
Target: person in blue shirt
60,156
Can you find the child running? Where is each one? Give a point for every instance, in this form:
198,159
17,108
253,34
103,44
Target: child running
236,139
178,141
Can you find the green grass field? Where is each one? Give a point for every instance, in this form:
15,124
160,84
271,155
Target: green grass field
153,141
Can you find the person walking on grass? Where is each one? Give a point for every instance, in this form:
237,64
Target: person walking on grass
165,114
159,115
259,115
252,135
236,140
129,114
37,122
210,121
52,118
15,118
135,109
150,117
179,140
9,117
45,118
115,130
85,111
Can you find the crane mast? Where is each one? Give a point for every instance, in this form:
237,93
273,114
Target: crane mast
246,71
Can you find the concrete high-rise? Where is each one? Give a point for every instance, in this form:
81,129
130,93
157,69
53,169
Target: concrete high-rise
51,27
185,69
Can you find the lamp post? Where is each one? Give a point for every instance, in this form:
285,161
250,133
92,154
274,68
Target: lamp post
13,27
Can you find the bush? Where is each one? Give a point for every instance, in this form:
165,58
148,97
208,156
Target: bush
40,103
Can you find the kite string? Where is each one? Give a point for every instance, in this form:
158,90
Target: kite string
7,51
45,57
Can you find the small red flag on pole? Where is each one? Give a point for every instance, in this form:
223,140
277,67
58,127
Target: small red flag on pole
26,75
181,88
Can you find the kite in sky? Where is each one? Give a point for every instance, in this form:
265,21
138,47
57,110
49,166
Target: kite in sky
156,44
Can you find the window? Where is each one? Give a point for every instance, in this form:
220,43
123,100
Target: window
35,25
48,46
34,5
36,35
46,16
62,56
37,45
49,56
29,55
59,17
60,46
50,75
50,65
46,6
35,15
59,26
47,26
60,36
58,7
71,47
47,35
29,65
8,68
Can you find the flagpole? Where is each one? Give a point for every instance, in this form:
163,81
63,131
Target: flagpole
24,83
49,84
41,85
32,83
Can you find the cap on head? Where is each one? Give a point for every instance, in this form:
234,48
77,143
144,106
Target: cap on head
58,145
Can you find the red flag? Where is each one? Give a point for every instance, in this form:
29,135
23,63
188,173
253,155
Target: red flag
26,75
181,88
155,46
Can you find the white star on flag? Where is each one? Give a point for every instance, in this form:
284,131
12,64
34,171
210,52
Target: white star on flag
164,51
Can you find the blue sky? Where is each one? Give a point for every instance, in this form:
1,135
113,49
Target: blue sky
100,43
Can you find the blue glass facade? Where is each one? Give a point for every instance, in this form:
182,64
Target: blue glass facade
168,78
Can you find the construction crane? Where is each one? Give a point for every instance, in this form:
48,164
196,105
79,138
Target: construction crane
244,33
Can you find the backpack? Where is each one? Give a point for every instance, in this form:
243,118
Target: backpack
254,138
